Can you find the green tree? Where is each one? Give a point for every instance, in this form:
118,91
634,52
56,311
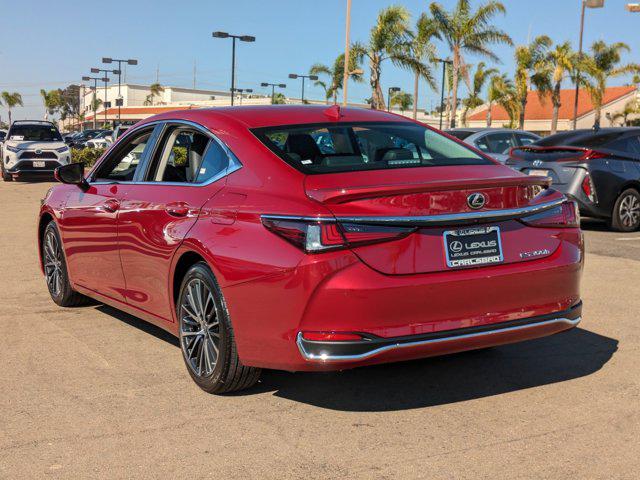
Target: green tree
155,90
335,74
423,51
602,63
502,92
278,99
557,64
466,31
402,100
474,100
11,100
389,39
630,108
529,60
52,101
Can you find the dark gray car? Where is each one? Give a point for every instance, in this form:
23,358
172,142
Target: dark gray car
599,169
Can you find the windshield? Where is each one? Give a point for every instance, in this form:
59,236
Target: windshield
34,133
347,147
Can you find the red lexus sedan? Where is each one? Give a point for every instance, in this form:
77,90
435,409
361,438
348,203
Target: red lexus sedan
311,238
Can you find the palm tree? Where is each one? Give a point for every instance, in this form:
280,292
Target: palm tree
502,92
556,65
600,65
11,100
278,99
52,101
468,32
336,74
423,51
474,99
631,107
155,90
529,59
390,39
402,100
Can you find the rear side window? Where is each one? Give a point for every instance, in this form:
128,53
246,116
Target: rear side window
496,143
347,147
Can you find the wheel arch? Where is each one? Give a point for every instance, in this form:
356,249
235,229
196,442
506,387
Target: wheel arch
45,219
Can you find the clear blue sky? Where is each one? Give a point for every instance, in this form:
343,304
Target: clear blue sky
53,44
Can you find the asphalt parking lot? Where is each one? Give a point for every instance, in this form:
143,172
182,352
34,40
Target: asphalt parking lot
91,392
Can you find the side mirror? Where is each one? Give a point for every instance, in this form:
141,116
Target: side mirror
73,174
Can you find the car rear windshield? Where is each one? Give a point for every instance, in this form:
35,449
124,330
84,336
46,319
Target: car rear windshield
580,139
34,133
349,147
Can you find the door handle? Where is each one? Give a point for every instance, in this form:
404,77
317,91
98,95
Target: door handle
177,209
111,205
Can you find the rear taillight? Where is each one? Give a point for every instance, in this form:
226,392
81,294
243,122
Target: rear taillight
565,215
319,235
331,337
589,188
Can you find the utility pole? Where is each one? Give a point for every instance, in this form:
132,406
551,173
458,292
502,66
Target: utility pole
345,78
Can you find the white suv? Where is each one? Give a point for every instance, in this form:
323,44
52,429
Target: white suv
32,147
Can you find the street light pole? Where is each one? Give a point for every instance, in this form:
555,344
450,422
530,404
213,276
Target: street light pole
585,4
389,95
345,77
273,88
242,38
105,79
444,62
95,90
297,75
120,61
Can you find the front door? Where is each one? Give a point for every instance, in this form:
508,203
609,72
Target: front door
187,169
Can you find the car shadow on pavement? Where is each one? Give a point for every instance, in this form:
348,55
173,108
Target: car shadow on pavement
448,379
432,381
594,225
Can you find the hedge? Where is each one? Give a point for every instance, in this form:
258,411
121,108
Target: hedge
86,155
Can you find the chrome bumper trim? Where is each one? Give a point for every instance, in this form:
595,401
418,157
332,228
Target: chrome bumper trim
326,358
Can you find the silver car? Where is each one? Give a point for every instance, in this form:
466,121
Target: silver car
495,142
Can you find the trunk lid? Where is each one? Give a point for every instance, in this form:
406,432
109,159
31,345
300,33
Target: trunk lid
558,163
413,194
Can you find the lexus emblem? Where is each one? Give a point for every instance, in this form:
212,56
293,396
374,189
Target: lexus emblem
476,200
456,246
537,163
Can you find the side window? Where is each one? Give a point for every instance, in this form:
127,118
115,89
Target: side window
187,156
499,142
122,165
525,140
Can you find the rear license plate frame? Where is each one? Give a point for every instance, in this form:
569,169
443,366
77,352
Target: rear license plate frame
541,172
473,247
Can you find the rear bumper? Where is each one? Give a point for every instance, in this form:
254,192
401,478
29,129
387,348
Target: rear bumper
438,343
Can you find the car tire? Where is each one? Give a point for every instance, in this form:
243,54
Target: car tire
6,176
206,335
626,211
55,269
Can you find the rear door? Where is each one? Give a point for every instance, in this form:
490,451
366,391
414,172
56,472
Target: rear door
187,168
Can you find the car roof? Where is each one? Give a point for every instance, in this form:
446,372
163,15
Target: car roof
32,122
586,137
275,115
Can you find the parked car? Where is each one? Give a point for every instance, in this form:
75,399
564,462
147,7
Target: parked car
119,131
32,148
103,139
495,142
3,135
80,140
234,231
599,169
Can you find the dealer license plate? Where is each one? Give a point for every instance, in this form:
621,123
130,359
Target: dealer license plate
472,247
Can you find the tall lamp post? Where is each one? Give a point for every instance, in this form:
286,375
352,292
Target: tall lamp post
95,89
585,4
106,81
345,77
444,62
298,75
242,38
273,88
241,91
119,61
390,93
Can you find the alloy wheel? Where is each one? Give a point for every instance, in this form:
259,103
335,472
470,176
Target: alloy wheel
53,263
199,328
629,211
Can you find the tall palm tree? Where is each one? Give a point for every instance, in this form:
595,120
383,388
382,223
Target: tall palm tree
155,90
502,92
335,75
553,69
52,101
11,100
529,60
402,100
468,32
601,64
390,39
630,108
474,100
423,51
